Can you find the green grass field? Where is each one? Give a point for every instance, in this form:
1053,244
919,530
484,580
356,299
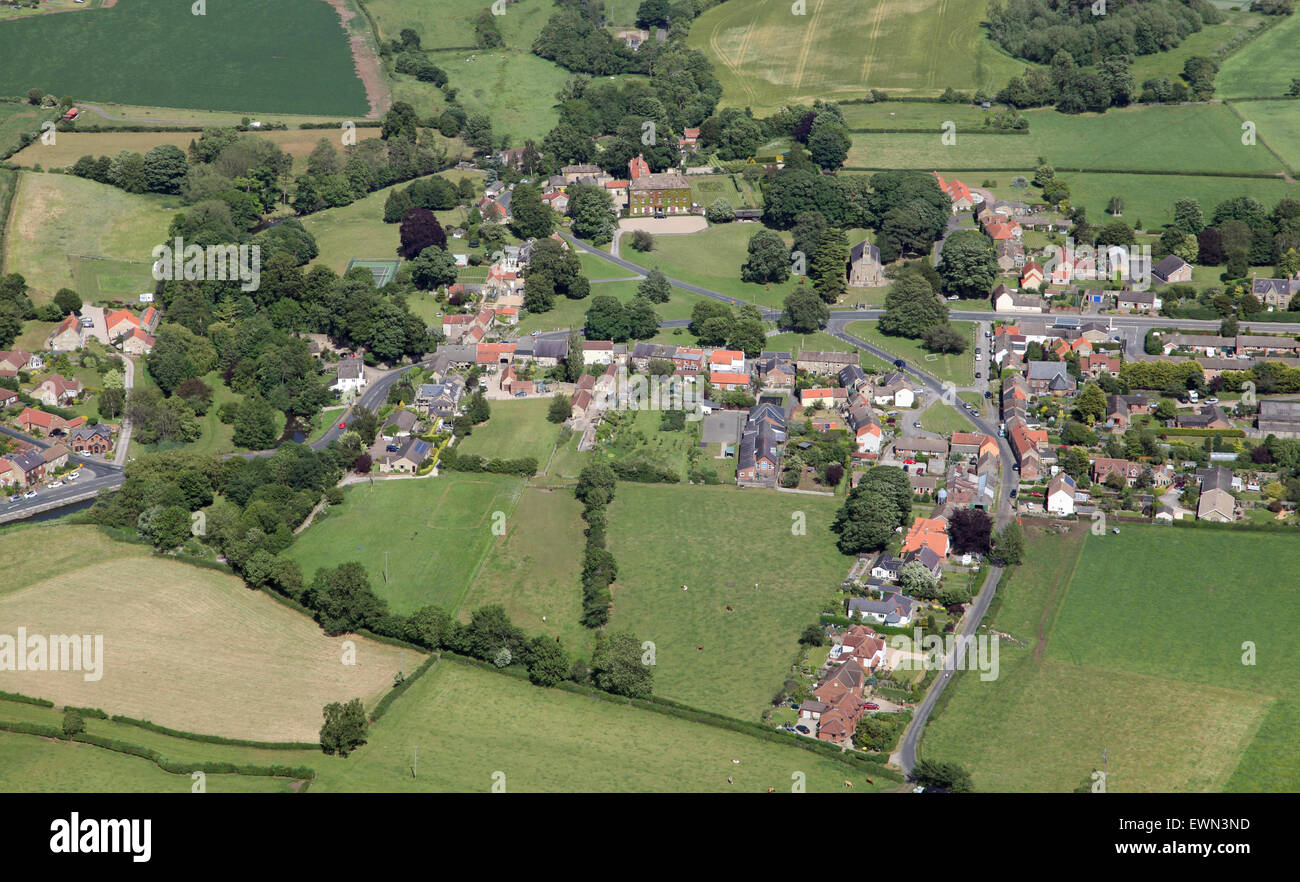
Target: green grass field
107,279
573,313
822,342
720,541
17,119
470,725
765,57
735,190
711,259
945,420
59,215
959,369
1150,671
513,86
516,429
235,57
358,230
1199,138
32,764
535,569
1277,124
436,532
1265,66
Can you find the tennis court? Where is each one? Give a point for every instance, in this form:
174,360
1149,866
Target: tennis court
383,270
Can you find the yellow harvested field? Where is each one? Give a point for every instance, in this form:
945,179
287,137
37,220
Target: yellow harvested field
186,647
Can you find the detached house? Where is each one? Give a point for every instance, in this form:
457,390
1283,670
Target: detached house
57,391
91,440
1060,495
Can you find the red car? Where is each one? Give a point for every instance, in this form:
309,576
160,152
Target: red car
343,425
871,705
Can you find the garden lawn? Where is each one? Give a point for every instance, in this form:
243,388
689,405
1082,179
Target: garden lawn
436,531
470,724
959,369
720,541
943,419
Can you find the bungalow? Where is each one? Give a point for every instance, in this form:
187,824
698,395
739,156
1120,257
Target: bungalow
91,440
409,457
1137,301
1006,300
1211,417
896,610
1171,269
1060,494
400,424
910,446
57,391
1216,502
886,566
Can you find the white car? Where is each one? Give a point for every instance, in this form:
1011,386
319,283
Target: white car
30,494
74,476
56,484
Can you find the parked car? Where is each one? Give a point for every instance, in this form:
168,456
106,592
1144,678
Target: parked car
392,448
56,484
1211,400
804,729
988,395
74,476
1014,493
30,494
977,375
871,705
916,425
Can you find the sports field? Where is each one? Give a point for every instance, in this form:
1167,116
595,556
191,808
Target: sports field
469,725
184,646
238,56
382,270
56,216
720,541
1265,66
436,532
1152,675
766,57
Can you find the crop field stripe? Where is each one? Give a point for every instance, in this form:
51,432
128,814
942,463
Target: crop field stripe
809,32
871,44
